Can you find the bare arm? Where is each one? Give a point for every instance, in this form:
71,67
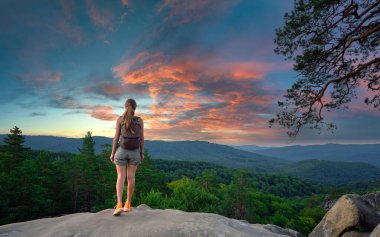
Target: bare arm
116,138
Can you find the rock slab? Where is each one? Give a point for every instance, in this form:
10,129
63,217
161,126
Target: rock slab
142,221
349,211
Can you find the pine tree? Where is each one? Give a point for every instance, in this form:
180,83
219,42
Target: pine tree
88,146
90,172
13,145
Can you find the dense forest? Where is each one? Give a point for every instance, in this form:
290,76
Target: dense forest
37,184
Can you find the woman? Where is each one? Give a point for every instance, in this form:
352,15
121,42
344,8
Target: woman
123,157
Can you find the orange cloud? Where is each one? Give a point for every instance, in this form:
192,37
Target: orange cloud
201,99
103,113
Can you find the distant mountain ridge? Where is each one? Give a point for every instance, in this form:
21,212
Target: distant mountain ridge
367,153
316,170
251,148
176,150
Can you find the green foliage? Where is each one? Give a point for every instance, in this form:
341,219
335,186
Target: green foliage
153,199
332,172
209,180
285,185
88,149
192,197
147,176
49,185
175,169
24,191
14,146
279,184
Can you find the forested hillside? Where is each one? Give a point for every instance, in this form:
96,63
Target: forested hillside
322,172
46,184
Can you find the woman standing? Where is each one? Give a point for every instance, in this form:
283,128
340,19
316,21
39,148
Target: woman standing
127,123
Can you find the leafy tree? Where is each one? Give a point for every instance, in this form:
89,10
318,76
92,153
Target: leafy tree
335,45
193,197
148,177
257,207
14,146
208,180
234,196
241,192
153,199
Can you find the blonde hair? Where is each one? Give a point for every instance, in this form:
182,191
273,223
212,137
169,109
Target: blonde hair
129,113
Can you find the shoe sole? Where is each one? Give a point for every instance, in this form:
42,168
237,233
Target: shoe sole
117,213
127,210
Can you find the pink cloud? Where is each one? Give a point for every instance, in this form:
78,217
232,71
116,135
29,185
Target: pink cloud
201,98
103,113
356,107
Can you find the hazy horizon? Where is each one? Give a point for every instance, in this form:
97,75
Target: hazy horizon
265,145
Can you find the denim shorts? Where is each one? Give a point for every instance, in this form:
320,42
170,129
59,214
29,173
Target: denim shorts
124,157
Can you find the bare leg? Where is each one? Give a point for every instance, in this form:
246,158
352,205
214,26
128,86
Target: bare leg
121,174
131,171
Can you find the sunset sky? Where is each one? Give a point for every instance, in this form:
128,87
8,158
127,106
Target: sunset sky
199,70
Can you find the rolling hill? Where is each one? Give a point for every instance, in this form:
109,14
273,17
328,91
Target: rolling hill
316,170
333,172
180,150
367,153
251,148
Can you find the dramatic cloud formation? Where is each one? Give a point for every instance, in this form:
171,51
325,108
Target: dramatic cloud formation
199,70
204,97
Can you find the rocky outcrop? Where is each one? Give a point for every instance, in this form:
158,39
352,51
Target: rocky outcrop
355,233
143,221
279,230
376,232
343,219
372,198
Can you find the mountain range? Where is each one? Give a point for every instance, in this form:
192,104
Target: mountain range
325,164
367,153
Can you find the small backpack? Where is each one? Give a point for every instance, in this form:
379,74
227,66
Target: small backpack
129,140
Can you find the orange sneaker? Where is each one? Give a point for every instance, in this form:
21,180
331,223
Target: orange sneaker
127,207
118,209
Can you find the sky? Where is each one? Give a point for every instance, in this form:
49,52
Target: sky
198,70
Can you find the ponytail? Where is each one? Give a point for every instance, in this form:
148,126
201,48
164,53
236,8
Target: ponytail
129,113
